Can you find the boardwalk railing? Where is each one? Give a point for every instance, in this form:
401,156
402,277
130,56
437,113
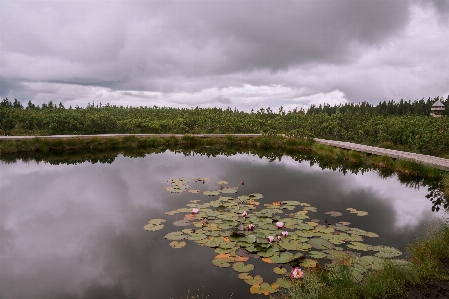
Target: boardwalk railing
436,162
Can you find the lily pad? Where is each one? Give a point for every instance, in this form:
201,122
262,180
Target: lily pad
386,251
319,243
182,223
284,283
244,276
317,254
153,226
282,258
254,280
334,214
309,263
175,236
176,244
229,190
279,271
241,267
358,246
211,193
222,263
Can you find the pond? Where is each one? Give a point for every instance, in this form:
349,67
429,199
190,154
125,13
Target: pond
76,231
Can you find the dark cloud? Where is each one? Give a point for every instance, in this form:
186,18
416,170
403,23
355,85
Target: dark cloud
190,46
222,99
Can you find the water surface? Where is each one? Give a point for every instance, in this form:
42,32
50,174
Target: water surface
75,231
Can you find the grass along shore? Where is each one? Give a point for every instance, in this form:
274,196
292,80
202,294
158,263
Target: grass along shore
428,260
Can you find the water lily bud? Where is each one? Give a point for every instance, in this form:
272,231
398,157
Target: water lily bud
279,238
195,211
296,273
250,226
284,234
244,214
279,224
270,239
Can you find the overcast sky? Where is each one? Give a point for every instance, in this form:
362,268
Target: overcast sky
215,53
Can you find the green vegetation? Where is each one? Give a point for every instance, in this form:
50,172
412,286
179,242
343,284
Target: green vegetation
426,256
407,129
283,234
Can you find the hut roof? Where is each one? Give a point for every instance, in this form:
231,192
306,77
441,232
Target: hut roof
438,104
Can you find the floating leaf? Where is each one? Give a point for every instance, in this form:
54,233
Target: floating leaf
267,260
176,244
267,288
241,267
386,251
359,213
153,226
182,223
290,244
317,254
254,280
319,243
282,258
334,214
244,276
372,235
358,246
211,193
196,237
174,190
229,190
308,263
175,236
284,283
279,271
222,263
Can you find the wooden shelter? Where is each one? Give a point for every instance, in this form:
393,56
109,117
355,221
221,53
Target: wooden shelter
437,109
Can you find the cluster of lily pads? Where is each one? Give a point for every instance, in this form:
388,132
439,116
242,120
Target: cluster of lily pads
280,233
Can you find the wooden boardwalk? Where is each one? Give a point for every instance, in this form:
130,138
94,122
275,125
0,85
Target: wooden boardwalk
436,162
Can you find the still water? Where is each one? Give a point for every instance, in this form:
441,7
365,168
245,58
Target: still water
76,231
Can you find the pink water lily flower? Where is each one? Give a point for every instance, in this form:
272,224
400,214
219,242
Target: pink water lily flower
244,214
270,239
279,224
250,226
195,211
297,273
284,234
279,238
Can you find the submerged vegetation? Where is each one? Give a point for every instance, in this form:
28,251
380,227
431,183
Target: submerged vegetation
403,126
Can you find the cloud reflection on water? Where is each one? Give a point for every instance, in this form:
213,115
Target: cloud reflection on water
75,231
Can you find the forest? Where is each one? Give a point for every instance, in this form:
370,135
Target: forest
405,125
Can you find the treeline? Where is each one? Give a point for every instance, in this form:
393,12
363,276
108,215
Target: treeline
411,132
418,107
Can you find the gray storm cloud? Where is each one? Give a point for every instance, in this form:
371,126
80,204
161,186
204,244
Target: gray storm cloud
191,46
